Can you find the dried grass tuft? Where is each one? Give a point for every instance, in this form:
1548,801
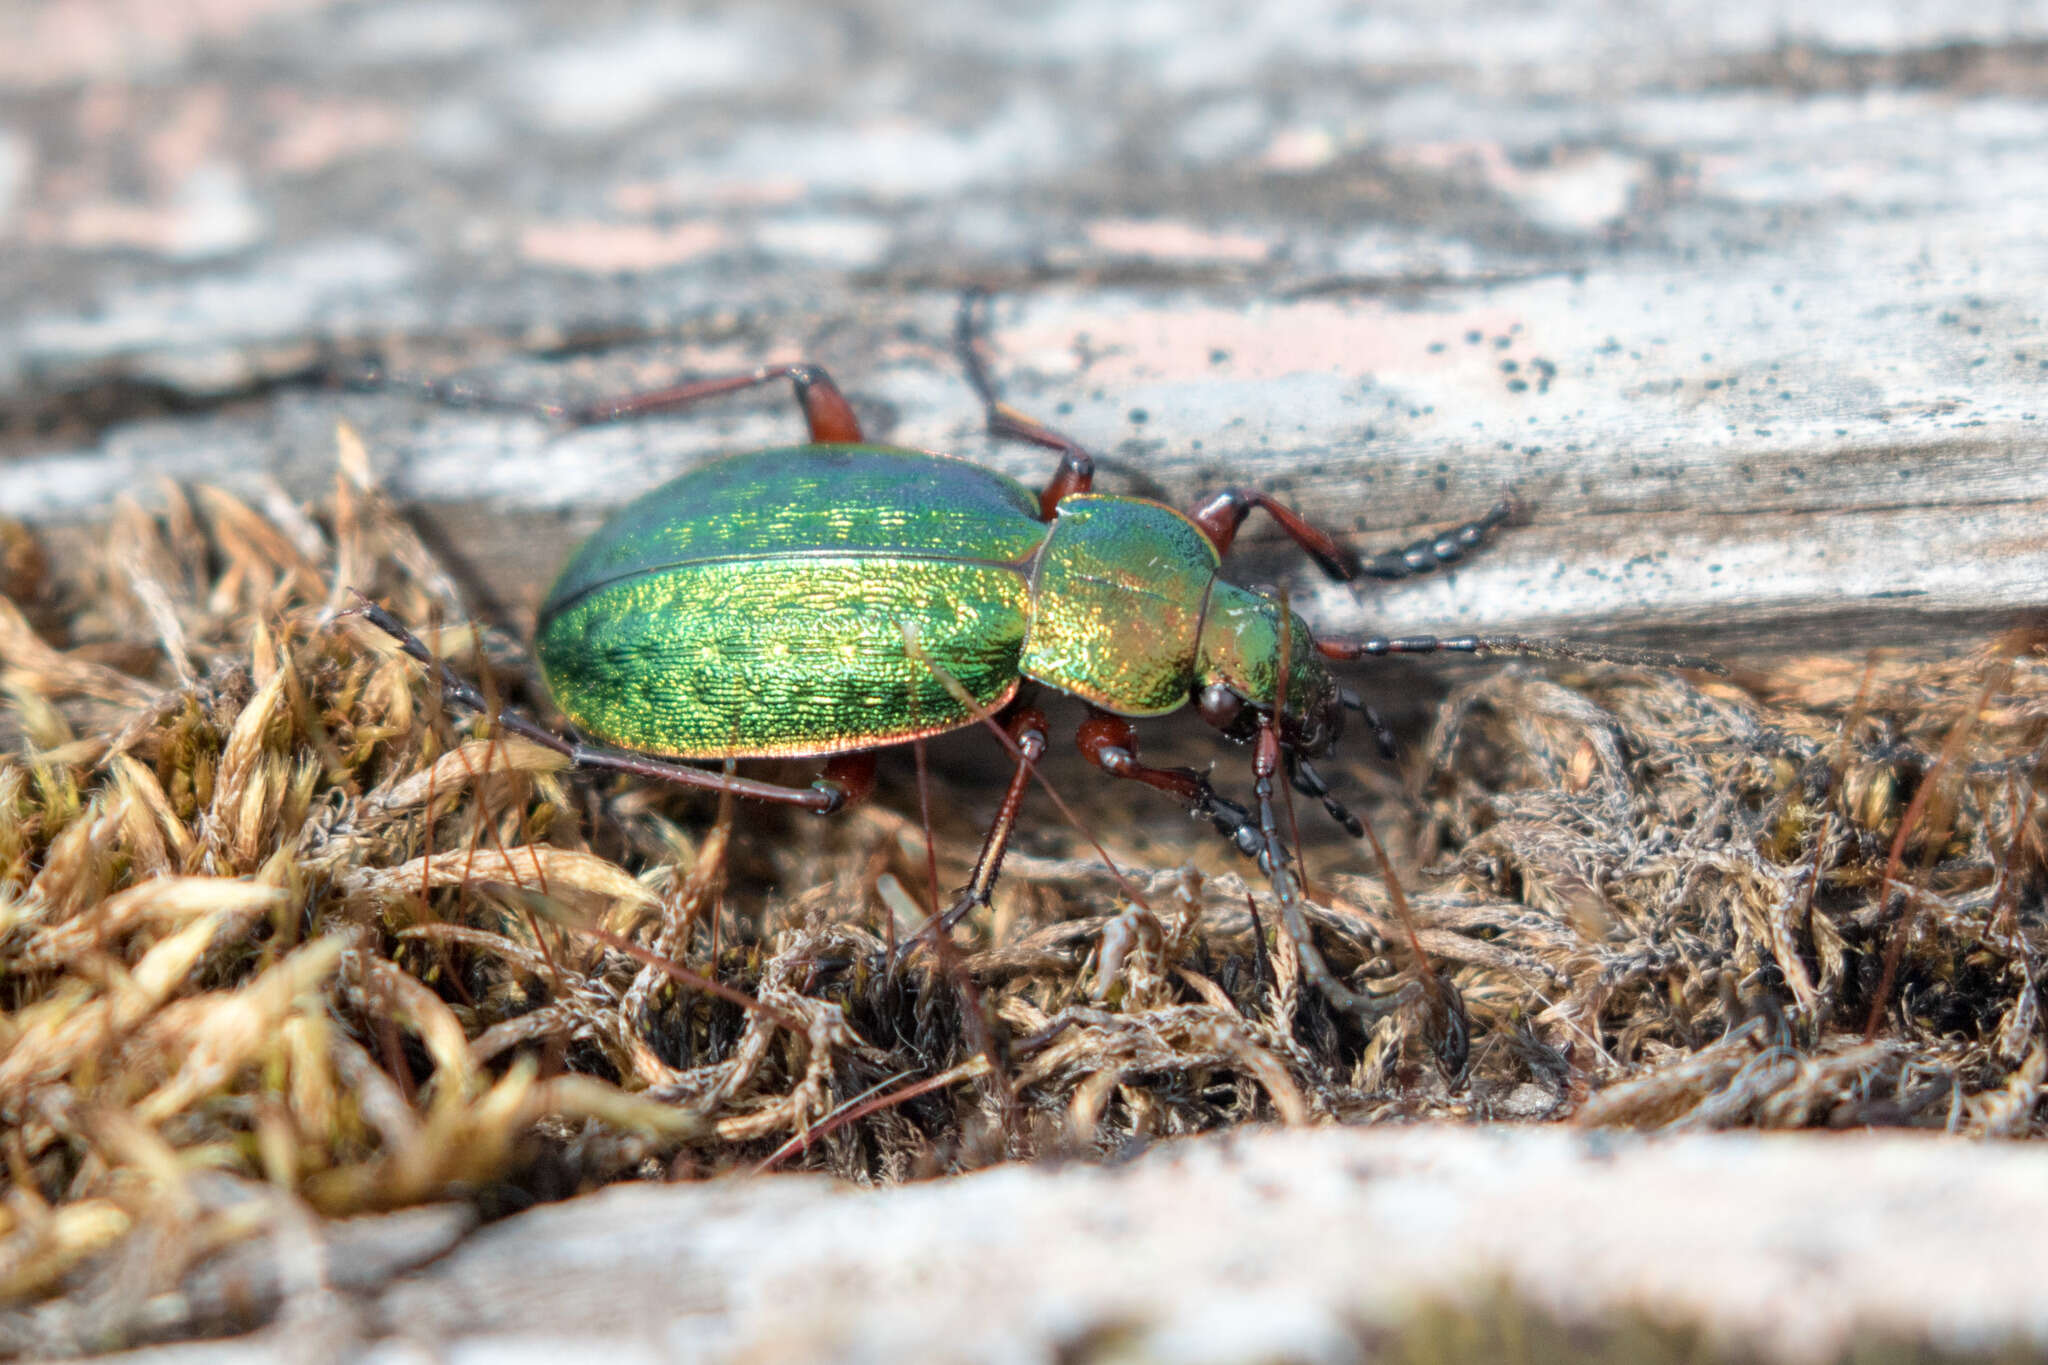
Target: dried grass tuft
269,917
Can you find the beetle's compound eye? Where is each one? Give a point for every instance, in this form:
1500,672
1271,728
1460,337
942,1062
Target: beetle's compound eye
1220,706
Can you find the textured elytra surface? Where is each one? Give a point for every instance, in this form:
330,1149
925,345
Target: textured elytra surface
802,601
815,655
810,500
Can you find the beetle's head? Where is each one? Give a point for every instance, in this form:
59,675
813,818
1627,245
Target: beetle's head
1238,673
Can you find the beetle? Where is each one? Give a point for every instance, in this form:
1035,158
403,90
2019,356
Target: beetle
835,598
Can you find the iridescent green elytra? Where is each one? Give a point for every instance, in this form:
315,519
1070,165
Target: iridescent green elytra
756,607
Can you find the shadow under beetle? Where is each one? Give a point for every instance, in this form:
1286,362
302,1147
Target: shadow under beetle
838,597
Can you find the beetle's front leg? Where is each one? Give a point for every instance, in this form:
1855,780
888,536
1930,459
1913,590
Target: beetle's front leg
1222,515
1111,744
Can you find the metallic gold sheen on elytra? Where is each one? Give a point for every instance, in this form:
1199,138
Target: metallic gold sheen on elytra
737,657
1120,589
810,500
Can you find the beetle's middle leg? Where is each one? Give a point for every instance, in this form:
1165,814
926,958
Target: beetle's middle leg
1026,726
1076,472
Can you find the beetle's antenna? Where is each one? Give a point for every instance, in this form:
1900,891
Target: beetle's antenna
1528,646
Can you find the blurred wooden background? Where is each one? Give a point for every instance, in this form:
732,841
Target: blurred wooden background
1743,300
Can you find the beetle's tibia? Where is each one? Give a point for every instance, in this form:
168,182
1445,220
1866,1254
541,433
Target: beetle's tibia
1222,515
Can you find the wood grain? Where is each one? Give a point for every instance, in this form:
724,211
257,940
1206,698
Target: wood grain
1742,305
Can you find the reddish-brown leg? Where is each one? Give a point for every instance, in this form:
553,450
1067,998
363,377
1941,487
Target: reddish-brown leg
1222,515
1026,727
853,774
826,410
1111,744
1076,472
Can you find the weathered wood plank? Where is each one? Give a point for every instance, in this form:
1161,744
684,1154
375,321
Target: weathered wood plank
1333,1245
1756,297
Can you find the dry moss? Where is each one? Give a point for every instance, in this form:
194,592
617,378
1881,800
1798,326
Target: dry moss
268,913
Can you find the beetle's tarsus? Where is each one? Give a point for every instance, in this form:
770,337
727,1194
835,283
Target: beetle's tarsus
1309,782
1274,862
1382,732
1435,552
1076,471
965,902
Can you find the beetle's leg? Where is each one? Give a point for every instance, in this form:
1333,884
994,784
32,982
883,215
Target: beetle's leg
826,411
851,775
828,794
1027,728
1534,647
1309,782
1076,473
1111,744
1382,732
1271,851
1222,515
1433,552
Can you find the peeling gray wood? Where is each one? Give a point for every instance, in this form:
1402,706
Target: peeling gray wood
1265,1245
1768,279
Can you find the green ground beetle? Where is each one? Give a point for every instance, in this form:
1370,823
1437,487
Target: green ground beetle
838,597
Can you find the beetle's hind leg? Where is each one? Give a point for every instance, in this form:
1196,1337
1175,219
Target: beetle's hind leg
826,412
847,778
1076,472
